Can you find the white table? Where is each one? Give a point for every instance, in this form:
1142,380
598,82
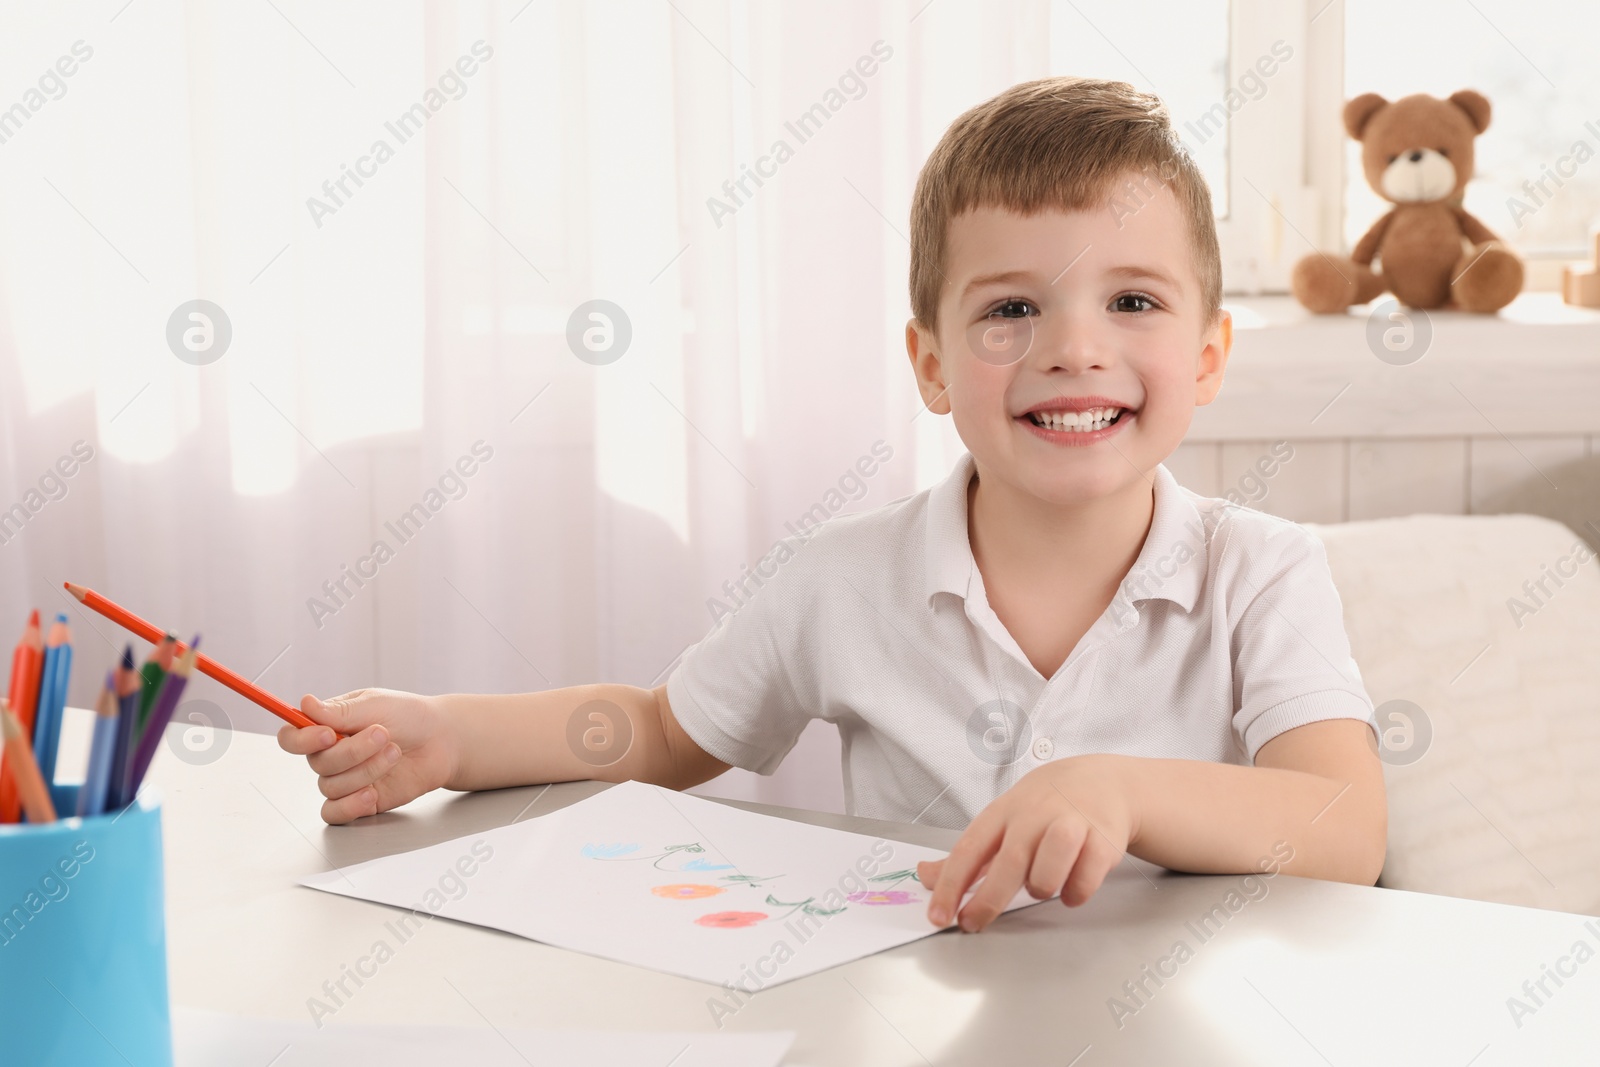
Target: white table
1311,973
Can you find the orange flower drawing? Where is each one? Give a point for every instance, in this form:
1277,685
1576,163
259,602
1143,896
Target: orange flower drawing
685,891
728,920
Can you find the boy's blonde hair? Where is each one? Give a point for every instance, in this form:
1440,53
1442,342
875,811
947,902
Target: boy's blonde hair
1064,143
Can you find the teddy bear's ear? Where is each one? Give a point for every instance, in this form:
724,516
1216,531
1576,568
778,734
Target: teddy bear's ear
1476,105
1358,112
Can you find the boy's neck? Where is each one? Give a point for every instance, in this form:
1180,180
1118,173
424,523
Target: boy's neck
1091,544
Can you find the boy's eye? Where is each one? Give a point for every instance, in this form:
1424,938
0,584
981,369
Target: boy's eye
1130,302
1012,309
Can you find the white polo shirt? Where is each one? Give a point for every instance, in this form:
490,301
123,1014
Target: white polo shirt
1226,632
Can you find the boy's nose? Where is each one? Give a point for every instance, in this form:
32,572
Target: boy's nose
1072,347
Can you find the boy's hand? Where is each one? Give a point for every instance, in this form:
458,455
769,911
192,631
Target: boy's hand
397,746
1059,830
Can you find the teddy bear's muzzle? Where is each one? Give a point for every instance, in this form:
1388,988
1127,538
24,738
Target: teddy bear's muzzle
1420,175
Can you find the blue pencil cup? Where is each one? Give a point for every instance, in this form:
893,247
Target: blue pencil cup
83,946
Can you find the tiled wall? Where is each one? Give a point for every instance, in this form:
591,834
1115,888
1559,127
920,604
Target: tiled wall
1344,480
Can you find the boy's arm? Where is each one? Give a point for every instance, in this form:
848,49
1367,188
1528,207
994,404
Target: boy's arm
1317,789
398,746
524,739
1313,805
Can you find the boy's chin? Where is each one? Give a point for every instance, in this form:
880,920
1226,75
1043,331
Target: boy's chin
1079,487
1074,479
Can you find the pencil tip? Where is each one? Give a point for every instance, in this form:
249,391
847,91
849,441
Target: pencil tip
127,657
76,590
61,616
33,620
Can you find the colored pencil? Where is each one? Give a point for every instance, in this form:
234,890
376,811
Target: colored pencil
207,666
47,674
52,697
92,795
150,676
26,663
127,679
160,715
25,772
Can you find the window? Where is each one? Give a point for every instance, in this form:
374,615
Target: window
1537,180
1185,63
1233,76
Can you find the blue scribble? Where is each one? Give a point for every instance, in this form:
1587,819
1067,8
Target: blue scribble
602,852
706,865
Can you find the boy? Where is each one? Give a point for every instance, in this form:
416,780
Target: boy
1058,647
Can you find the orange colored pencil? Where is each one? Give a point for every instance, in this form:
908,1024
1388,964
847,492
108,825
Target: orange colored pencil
208,666
25,769
26,663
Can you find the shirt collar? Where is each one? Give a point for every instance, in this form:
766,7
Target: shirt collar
1171,563
949,562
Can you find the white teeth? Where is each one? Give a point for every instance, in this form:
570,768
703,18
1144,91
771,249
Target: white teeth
1076,421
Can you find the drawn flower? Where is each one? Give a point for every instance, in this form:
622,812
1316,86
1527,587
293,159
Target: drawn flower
751,880
685,891
728,920
881,896
603,852
706,865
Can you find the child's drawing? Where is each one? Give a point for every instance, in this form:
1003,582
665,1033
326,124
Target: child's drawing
686,891
672,858
730,920
888,894
882,896
645,875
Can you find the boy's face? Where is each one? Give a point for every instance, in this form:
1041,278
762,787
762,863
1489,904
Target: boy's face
1086,309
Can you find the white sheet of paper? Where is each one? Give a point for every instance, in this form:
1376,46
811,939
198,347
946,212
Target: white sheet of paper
211,1039
668,881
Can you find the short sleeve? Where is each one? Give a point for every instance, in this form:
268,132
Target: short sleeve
745,692
1291,655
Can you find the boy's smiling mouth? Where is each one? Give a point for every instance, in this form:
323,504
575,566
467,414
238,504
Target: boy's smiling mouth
1077,420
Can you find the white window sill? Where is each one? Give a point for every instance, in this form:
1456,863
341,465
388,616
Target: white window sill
1532,369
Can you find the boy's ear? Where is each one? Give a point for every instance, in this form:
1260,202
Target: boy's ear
1214,359
922,347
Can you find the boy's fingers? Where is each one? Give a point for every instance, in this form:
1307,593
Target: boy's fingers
1094,863
346,713
972,850
304,741
1059,850
349,752
928,872
362,774
1005,877
357,805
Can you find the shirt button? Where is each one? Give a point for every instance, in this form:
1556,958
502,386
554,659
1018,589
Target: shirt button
1043,748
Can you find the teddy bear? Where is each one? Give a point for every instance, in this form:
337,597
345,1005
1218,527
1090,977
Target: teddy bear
1417,154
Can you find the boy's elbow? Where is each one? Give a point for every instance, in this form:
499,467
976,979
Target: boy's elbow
1366,848
1377,851
1364,832
684,763
1368,865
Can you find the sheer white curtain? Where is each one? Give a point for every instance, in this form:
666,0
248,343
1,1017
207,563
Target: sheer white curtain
398,472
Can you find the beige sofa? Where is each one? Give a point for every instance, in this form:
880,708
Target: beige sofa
1490,625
